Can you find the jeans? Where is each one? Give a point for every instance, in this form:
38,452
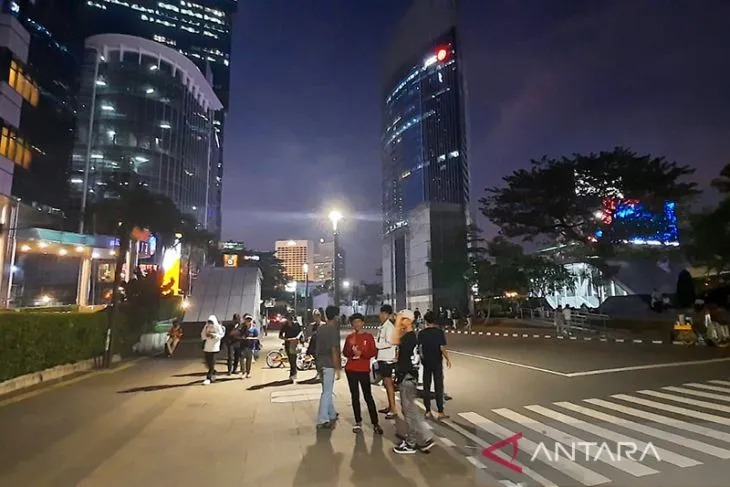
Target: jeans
292,364
247,354
433,373
327,410
357,381
210,363
234,358
417,432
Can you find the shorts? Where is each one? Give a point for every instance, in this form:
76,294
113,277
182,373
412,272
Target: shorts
385,369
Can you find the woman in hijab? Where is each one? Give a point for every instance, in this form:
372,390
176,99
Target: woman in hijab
212,334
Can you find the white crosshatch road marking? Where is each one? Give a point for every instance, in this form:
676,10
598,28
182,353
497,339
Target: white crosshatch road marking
540,426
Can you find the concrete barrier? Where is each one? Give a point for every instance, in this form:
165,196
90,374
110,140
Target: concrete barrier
54,373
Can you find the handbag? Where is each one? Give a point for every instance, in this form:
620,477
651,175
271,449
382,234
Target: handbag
375,375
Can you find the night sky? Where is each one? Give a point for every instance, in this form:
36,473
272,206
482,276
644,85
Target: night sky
543,77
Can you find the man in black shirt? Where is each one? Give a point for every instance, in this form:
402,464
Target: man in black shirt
417,437
291,333
432,341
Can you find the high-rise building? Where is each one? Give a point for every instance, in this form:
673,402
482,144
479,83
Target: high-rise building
324,261
200,30
146,118
425,169
294,254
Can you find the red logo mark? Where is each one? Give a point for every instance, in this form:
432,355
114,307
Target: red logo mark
488,452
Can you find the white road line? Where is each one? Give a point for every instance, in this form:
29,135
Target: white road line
446,441
686,400
573,470
507,362
720,382
709,388
648,430
691,392
483,444
625,465
665,455
664,420
646,367
476,463
674,409
297,392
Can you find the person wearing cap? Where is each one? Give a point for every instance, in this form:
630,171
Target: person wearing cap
359,349
249,341
414,433
386,357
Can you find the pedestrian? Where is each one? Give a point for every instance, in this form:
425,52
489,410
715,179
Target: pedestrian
212,334
359,349
559,320
386,357
432,342
292,335
567,317
329,363
312,345
249,342
416,436
234,340
174,335
227,341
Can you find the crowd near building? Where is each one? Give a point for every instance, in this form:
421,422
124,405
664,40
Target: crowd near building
95,93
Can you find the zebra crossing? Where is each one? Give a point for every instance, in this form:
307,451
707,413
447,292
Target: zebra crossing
685,427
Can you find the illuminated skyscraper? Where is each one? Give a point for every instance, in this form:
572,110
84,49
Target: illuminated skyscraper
200,30
425,169
293,255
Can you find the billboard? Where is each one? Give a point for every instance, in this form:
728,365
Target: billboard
629,221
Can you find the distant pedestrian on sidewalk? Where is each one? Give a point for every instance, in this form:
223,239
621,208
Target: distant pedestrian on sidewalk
292,335
174,335
387,357
249,342
212,334
312,335
227,341
359,349
234,339
329,363
432,342
416,436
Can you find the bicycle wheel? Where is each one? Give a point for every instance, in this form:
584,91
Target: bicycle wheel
274,359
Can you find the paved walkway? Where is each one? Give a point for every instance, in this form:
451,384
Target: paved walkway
158,426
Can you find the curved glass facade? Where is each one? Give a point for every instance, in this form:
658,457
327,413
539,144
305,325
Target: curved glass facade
424,155
150,125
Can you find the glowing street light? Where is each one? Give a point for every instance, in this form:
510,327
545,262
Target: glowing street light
345,284
335,216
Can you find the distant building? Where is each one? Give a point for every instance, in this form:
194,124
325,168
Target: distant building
425,185
324,258
146,118
294,254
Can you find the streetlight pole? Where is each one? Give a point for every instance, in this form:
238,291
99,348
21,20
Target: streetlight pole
305,268
335,217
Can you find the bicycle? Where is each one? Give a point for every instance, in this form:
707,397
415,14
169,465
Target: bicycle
278,358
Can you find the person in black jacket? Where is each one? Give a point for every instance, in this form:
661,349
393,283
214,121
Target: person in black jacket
291,333
234,339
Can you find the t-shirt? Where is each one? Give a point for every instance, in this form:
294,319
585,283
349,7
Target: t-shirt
408,343
431,340
248,333
290,330
328,337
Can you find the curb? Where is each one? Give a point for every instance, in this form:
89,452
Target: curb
561,337
54,373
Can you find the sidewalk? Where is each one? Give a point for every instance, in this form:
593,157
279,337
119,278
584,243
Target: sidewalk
258,431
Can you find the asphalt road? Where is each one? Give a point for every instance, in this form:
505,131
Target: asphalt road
669,402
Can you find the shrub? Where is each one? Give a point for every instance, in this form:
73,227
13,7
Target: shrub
31,342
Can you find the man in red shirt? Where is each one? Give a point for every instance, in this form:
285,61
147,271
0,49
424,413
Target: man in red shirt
360,349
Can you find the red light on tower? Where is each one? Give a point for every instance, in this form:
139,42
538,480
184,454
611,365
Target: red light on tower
441,54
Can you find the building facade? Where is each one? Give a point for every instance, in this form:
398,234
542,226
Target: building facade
294,254
324,261
425,183
146,116
200,30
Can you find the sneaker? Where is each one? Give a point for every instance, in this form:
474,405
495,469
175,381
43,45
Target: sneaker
426,446
378,430
248,376
324,426
384,411
390,415
206,382
404,449
357,428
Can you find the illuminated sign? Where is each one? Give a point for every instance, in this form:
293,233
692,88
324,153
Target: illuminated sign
171,267
230,260
629,221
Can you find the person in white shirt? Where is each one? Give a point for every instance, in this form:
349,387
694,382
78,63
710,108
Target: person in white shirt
387,357
212,334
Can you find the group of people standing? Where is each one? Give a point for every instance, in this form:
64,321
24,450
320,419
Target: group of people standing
241,340
394,356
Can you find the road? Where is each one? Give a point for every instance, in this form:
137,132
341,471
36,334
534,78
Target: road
152,422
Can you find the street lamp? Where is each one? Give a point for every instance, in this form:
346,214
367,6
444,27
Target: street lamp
335,216
292,288
305,268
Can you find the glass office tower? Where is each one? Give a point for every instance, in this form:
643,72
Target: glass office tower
200,30
147,117
425,168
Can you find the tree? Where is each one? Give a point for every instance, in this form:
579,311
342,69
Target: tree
372,294
564,199
685,290
273,273
124,209
546,276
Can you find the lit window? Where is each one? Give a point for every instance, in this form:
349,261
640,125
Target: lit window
454,154
107,108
